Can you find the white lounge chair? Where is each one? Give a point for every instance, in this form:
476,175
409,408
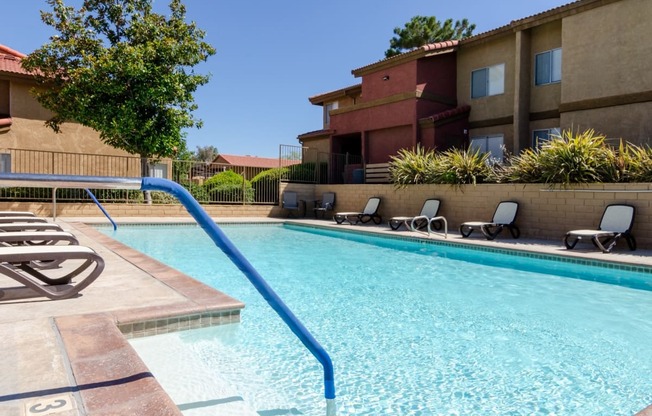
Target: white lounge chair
11,219
617,221
16,214
504,217
369,213
429,210
77,262
30,226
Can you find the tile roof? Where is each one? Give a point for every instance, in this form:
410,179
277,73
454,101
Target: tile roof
10,61
254,161
448,113
420,52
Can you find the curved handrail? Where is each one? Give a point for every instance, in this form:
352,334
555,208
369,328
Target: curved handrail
88,191
222,241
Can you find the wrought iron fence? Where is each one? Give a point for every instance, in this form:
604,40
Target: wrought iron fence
313,166
209,183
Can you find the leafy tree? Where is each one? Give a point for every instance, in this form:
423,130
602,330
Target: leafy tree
422,30
206,153
122,70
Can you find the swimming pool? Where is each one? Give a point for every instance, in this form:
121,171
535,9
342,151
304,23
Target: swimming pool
412,328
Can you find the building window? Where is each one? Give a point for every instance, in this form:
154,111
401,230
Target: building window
540,137
5,162
490,144
158,170
548,67
327,112
488,81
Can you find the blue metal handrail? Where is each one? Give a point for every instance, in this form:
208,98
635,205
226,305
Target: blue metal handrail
223,242
88,191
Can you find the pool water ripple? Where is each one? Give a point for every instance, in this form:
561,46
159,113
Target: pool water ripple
411,329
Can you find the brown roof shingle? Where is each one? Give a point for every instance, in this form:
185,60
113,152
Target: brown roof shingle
10,61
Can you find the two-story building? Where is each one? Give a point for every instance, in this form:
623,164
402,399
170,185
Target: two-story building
579,66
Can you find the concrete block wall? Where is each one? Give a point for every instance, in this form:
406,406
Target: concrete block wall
543,213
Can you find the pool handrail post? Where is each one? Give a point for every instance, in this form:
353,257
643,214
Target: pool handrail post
88,191
223,242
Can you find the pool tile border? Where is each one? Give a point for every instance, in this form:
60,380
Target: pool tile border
178,323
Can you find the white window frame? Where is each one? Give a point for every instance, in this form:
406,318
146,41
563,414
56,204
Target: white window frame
5,162
551,60
492,143
493,78
328,107
541,136
158,170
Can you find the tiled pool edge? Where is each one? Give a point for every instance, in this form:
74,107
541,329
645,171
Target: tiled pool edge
109,375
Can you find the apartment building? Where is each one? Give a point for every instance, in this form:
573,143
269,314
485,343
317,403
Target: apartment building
579,66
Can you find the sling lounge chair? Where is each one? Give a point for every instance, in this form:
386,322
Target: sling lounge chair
370,213
327,203
617,221
429,210
30,226
504,217
16,214
291,203
11,219
77,262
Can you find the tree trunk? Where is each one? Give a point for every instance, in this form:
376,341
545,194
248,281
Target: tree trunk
144,171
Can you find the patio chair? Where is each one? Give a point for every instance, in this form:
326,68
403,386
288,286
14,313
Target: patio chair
327,203
291,203
369,213
76,261
429,210
504,217
617,221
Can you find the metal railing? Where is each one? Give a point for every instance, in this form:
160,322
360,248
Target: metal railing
321,167
208,183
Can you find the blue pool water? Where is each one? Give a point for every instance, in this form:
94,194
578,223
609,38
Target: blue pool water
412,328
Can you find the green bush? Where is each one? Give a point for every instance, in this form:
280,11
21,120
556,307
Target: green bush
638,163
266,184
524,168
229,186
458,167
411,167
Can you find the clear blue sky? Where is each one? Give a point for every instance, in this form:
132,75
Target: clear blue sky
273,55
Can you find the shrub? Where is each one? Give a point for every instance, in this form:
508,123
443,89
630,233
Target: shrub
524,168
638,160
457,167
577,158
266,184
412,167
229,186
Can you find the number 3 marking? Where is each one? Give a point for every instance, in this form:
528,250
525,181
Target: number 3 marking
40,407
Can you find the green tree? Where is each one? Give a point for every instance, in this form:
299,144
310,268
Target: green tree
206,153
123,70
422,30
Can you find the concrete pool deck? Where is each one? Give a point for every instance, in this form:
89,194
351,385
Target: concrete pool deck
71,357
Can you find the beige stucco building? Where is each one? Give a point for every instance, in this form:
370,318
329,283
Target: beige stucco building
28,145
585,65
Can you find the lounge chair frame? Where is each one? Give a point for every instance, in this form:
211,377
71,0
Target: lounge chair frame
370,213
504,217
17,263
616,223
429,210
